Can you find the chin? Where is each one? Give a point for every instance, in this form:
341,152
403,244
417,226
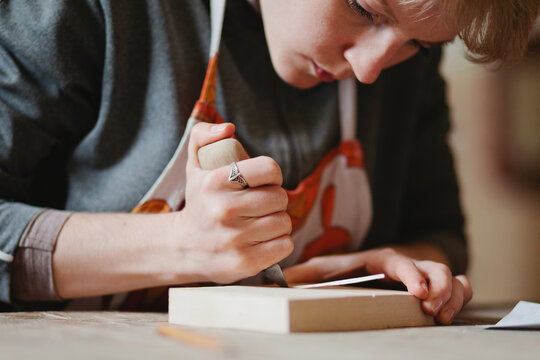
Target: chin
297,79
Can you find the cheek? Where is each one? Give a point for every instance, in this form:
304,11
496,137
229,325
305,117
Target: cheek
304,27
403,54
297,33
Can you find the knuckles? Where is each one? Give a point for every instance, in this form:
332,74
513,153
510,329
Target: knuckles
270,167
285,249
284,198
444,269
286,222
222,213
211,180
387,252
244,266
289,246
198,130
242,263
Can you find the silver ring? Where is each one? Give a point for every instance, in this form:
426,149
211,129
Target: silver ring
235,176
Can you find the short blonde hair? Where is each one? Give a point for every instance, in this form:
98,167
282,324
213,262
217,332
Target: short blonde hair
492,30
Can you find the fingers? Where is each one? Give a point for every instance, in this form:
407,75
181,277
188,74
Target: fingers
461,295
447,294
203,134
453,305
400,268
259,230
259,171
440,285
231,265
467,288
261,201
271,252
444,298
235,206
313,270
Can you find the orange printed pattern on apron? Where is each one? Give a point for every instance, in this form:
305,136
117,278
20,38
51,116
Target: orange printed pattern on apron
334,239
352,150
154,206
302,199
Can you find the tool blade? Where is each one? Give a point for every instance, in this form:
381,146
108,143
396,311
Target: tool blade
275,275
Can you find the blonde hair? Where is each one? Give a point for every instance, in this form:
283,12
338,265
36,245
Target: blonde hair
492,30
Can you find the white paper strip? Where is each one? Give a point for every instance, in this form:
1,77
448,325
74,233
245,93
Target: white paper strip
343,282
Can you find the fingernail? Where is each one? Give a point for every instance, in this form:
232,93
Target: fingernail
218,127
436,305
448,315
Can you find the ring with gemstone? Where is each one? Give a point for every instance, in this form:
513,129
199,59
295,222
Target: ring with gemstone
236,177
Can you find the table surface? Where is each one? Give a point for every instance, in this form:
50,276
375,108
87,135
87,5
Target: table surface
120,335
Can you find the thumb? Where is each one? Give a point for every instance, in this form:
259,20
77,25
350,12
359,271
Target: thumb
203,134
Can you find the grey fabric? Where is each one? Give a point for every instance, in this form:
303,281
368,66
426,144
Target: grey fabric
94,96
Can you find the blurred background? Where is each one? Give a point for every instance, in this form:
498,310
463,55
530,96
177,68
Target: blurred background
496,144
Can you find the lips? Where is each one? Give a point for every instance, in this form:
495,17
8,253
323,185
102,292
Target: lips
322,74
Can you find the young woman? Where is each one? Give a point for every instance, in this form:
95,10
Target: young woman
95,98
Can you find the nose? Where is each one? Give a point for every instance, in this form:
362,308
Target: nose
371,52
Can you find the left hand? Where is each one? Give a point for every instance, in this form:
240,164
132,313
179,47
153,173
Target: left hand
442,294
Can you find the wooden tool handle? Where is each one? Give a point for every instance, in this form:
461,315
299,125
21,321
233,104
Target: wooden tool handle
221,153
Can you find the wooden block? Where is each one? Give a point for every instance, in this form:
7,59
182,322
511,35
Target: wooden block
285,310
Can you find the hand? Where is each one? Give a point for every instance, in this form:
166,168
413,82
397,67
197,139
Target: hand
229,233
442,295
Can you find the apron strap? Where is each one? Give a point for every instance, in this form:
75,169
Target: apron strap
347,108
217,12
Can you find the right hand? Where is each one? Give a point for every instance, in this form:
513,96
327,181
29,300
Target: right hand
227,232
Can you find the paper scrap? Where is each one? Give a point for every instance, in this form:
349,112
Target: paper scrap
342,282
524,316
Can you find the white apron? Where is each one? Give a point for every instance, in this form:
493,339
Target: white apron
331,209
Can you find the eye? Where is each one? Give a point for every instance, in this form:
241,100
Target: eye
360,10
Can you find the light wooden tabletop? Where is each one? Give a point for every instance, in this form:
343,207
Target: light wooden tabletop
115,335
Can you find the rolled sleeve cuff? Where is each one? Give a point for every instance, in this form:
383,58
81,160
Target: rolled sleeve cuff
32,274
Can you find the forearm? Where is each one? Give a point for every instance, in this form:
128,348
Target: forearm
99,254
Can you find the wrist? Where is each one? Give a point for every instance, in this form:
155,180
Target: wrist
183,264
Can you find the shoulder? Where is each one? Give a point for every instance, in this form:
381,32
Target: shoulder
47,37
43,20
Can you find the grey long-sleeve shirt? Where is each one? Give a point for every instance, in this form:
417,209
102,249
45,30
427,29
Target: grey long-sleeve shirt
94,96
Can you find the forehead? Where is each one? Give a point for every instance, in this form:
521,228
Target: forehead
421,19
419,8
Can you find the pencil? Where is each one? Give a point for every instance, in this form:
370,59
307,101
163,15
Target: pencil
191,338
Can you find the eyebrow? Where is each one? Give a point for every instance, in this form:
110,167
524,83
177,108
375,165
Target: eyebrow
388,12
